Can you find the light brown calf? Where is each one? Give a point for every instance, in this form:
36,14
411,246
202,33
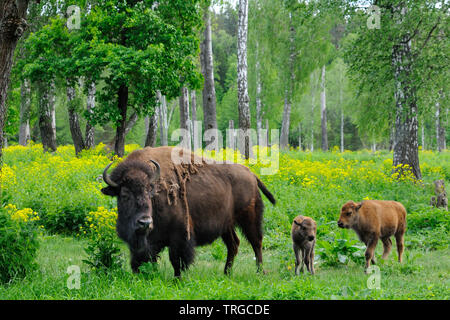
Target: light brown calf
373,220
303,233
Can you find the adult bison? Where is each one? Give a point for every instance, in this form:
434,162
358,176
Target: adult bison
162,203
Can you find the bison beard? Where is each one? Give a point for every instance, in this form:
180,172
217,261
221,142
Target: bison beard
190,204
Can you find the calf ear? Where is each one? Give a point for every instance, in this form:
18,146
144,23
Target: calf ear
358,206
110,191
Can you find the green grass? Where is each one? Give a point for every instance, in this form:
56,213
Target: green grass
62,189
423,275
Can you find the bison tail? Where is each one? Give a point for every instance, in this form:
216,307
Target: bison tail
266,192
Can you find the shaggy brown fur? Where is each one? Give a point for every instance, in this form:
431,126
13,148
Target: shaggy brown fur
304,230
193,204
373,220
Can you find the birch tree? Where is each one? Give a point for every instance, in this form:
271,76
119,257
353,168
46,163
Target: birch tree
408,57
243,98
323,110
206,61
25,108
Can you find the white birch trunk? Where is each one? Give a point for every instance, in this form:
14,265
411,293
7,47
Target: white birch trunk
323,111
243,98
25,105
258,94
90,105
184,117
207,65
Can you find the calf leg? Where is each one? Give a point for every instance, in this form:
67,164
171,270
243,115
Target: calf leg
311,259
399,238
370,251
231,240
298,259
307,258
387,245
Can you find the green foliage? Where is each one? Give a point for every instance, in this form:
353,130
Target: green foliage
103,249
340,249
104,254
18,248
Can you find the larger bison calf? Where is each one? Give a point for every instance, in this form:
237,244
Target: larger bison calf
373,220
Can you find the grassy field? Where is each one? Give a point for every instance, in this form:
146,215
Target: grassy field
63,190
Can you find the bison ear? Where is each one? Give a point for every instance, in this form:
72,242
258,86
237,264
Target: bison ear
358,206
111,191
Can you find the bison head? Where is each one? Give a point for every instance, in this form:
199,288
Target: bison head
306,229
349,213
132,183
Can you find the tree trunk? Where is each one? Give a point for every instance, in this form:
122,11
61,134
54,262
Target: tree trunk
406,149
342,109
440,129
231,139
163,123
12,26
299,137
258,95
209,91
284,139
90,129
342,129
74,122
196,135
423,134
285,125
323,112
25,106
152,128
184,117
243,98
47,124
313,105
122,104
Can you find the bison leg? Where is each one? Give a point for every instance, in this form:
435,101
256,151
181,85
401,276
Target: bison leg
175,261
387,245
298,259
231,240
181,255
311,260
370,251
250,222
307,258
399,237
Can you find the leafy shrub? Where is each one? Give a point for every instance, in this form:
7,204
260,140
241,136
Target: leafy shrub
427,218
336,251
18,245
103,248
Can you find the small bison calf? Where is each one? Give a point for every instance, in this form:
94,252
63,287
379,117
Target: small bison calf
373,220
304,238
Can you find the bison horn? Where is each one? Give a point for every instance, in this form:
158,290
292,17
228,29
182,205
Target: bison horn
106,177
157,173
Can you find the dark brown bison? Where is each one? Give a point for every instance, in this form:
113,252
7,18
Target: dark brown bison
180,206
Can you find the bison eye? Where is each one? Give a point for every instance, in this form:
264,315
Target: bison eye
349,213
